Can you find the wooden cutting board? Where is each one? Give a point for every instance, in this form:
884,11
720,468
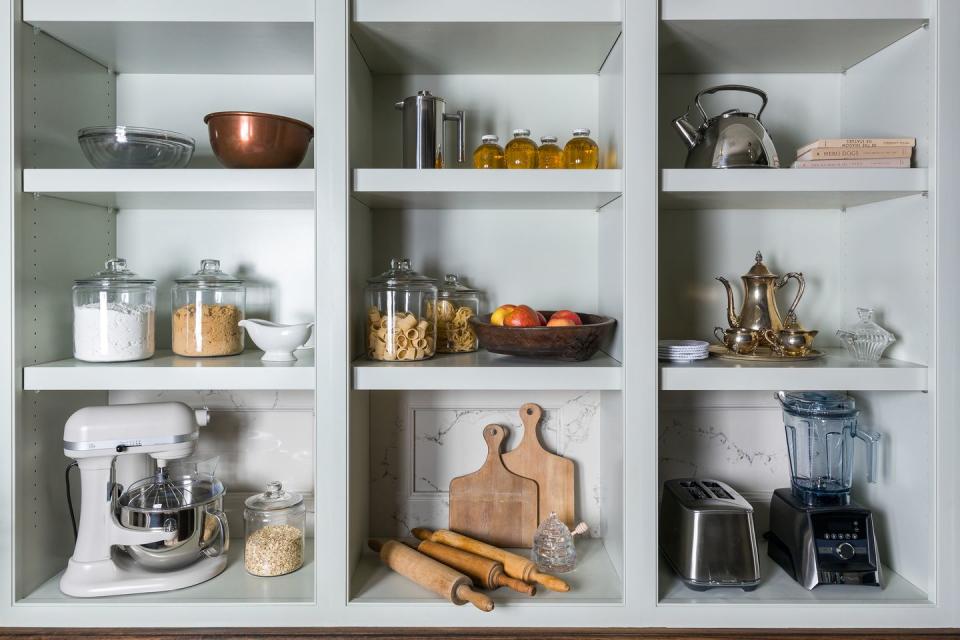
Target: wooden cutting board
493,504
552,473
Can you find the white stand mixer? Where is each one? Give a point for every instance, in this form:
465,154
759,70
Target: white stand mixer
94,437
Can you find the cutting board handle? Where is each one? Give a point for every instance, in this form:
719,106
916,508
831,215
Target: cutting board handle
493,435
530,415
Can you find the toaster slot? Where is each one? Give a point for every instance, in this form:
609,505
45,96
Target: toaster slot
695,490
717,490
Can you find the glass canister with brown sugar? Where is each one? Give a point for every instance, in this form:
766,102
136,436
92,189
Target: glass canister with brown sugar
207,307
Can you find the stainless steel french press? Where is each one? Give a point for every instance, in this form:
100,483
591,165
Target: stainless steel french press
422,127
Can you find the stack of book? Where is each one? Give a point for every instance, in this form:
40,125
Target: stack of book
856,153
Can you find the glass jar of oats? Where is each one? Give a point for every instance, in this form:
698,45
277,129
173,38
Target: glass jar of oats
275,527
456,304
207,305
401,322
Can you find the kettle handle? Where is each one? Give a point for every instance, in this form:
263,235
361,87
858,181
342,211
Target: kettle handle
731,87
801,285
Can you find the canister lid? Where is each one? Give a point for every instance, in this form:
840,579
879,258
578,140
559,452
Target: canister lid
210,275
274,498
581,132
453,287
401,276
818,403
490,138
115,274
548,139
521,133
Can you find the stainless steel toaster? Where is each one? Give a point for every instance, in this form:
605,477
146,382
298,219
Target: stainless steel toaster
707,534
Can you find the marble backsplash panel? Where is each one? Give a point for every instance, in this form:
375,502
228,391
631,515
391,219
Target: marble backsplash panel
419,441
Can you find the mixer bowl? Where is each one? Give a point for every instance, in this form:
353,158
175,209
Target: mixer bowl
250,140
200,523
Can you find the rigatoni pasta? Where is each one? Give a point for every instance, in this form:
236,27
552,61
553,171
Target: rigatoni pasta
398,337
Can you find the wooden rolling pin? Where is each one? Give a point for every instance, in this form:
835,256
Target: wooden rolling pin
485,572
428,573
515,566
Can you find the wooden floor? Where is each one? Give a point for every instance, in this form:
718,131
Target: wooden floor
478,634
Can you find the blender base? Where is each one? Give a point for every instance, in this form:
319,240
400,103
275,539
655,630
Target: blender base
823,544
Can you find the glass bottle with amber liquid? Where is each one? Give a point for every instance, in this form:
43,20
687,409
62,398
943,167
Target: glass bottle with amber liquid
489,155
581,152
549,155
521,152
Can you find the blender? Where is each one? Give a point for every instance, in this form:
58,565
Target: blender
817,533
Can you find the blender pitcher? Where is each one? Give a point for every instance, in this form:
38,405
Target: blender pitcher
820,429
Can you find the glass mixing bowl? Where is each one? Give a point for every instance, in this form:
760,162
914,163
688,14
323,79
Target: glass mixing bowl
123,147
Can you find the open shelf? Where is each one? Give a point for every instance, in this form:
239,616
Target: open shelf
488,371
786,188
777,587
177,188
703,36
486,189
169,372
498,36
234,585
595,581
183,36
835,370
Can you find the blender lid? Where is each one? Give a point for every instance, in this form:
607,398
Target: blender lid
274,498
115,273
209,275
164,492
401,276
817,403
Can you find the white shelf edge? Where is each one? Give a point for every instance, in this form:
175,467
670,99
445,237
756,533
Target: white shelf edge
174,373
834,371
491,11
785,10
486,371
168,11
794,180
167,180
475,180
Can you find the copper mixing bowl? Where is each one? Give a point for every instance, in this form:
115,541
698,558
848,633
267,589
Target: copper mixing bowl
249,140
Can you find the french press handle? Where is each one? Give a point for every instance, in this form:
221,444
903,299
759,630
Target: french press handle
731,87
461,119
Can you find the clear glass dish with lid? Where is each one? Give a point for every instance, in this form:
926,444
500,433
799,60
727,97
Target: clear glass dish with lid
866,340
114,315
275,525
207,307
401,322
456,304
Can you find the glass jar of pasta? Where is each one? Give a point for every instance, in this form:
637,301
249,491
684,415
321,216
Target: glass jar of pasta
401,323
456,304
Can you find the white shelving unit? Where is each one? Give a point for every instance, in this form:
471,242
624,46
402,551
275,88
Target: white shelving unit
172,372
835,370
787,189
471,189
177,188
489,371
639,239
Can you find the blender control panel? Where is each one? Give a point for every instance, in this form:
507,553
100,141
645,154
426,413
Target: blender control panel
844,548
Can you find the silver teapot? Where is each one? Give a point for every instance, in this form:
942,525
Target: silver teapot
732,140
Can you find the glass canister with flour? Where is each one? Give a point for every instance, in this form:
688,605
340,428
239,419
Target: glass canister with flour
207,307
114,314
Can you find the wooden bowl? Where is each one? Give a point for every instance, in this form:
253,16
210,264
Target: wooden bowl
250,140
572,344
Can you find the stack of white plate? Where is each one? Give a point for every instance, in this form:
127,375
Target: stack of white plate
683,350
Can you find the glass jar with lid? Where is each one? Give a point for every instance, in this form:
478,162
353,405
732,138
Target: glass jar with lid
521,151
401,323
581,152
275,523
456,304
207,307
489,155
549,155
114,315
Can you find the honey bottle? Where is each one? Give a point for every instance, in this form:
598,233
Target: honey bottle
521,152
581,152
489,155
549,155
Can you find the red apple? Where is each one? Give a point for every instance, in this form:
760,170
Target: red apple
566,315
561,322
543,321
522,316
496,318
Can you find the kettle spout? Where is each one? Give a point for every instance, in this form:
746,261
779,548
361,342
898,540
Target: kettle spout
686,131
731,314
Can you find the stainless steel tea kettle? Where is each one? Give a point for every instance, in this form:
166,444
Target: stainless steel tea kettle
732,140
424,116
